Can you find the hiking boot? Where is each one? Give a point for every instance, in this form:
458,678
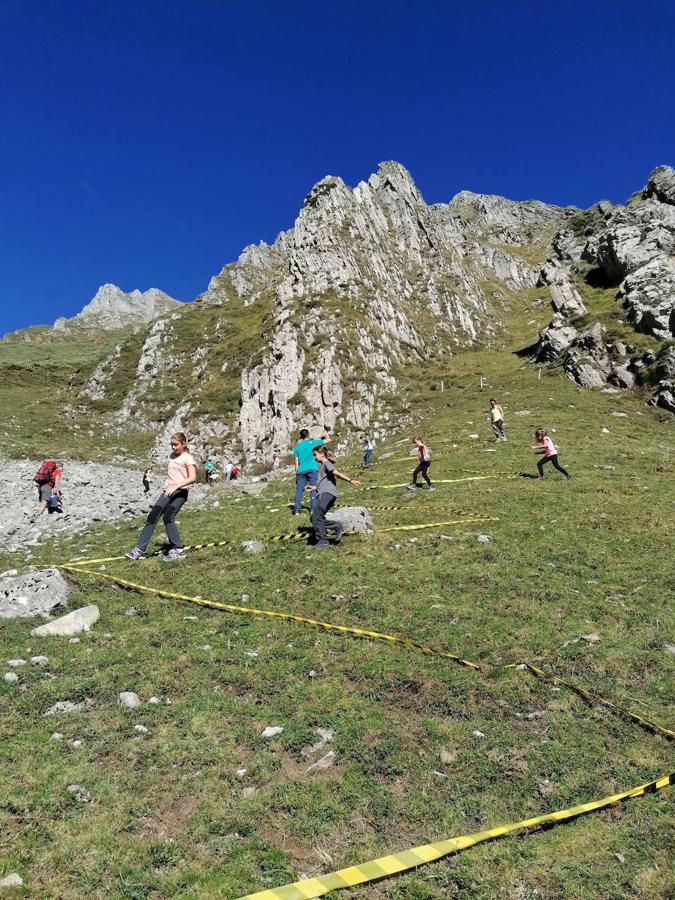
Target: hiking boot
412,487
174,553
136,553
321,545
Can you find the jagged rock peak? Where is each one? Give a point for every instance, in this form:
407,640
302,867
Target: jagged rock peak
661,185
111,307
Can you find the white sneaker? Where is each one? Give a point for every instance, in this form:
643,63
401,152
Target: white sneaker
412,487
431,488
174,553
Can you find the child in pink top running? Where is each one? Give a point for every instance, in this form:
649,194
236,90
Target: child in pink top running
424,456
547,448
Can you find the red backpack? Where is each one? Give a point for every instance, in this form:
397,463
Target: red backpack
45,474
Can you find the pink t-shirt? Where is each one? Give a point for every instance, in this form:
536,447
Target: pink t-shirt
178,470
549,447
423,453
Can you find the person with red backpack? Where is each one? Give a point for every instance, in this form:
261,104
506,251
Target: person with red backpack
48,482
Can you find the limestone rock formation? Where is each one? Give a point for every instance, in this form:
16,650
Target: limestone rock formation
112,308
636,251
36,593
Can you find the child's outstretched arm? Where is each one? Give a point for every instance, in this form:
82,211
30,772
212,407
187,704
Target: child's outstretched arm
344,477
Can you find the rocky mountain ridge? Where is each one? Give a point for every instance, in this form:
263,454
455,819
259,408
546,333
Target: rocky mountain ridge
370,290
112,308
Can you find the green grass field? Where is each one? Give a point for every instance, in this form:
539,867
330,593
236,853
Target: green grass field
171,816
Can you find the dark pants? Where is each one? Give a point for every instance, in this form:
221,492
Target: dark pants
320,523
302,479
168,508
498,428
366,458
422,470
556,465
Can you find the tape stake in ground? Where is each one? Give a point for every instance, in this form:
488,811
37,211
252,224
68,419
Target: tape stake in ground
273,614
395,863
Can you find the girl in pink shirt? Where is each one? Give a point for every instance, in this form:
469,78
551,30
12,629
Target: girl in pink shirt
181,474
549,452
422,469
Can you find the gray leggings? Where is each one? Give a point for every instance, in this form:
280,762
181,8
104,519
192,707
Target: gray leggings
168,508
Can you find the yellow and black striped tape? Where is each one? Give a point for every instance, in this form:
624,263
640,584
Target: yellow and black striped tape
374,487
272,614
595,698
395,863
479,519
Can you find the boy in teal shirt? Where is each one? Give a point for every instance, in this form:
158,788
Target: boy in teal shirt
306,467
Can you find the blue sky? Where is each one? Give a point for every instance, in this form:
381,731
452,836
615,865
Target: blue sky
146,143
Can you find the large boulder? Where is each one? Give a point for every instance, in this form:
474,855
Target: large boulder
555,338
352,518
661,185
35,594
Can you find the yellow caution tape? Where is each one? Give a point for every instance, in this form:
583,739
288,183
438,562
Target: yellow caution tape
479,519
395,863
595,698
272,614
374,487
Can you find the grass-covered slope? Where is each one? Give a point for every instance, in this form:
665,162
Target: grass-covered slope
169,815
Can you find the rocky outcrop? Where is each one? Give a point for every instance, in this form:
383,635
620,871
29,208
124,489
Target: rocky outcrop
636,252
113,308
565,299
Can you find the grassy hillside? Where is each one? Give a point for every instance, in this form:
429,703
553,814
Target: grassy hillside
170,816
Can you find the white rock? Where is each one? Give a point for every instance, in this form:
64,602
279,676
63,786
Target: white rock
57,736
9,573
41,661
11,677
80,793
271,731
478,734
155,701
73,623
75,744
129,700
141,729
325,762
474,437
11,881
483,538
63,706
241,772
74,641
252,546
604,430
16,663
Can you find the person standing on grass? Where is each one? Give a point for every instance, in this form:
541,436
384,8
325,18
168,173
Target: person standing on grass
497,420
368,447
306,467
422,469
181,474
547,449
326,495
48,481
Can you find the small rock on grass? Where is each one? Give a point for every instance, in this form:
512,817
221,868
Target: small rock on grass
11,881
593,638
155,701
141,729
80,793
669,648
129,700
16,663
484,538
271,731
41,661
11,677
63,706
252,546
325,762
